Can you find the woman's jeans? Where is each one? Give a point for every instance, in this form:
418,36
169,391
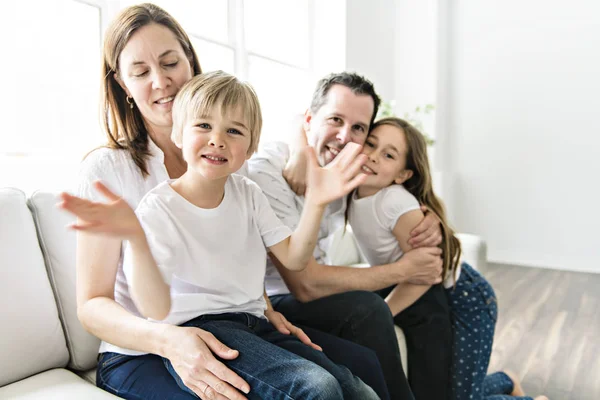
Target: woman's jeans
276,366
474,312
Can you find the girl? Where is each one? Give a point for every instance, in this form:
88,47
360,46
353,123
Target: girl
383,211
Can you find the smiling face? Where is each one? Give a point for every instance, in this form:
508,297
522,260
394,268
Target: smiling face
344,117
152,69
386,149
215,145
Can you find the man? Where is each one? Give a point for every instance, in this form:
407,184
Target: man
341,300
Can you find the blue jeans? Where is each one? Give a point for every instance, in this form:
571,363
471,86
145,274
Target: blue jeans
498,386
278,366
474,312
358,316
137,377
271,371
361,361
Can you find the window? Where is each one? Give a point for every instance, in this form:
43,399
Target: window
52,64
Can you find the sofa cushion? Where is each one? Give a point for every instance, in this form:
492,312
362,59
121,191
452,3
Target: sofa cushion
58,246
31,338
58,384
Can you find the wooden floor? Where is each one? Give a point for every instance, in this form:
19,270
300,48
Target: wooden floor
548,330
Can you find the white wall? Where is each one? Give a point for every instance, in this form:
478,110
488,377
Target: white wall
524,134
516,87
370,42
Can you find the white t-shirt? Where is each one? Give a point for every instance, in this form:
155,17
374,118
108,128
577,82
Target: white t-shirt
373,219
266,169
213,259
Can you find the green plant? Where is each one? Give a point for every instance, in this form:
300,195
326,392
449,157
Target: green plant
415,118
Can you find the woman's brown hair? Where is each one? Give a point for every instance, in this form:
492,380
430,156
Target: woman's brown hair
124,126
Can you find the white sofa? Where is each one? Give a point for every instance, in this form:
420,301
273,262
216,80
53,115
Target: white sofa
46,353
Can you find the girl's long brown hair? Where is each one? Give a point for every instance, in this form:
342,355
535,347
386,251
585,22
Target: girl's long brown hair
420,186
124,126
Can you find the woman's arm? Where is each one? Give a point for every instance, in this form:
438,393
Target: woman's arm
150,293
97,263
116,219
405,294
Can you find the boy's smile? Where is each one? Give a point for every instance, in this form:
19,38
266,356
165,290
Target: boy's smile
215,145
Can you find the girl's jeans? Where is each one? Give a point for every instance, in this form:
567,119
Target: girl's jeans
474,312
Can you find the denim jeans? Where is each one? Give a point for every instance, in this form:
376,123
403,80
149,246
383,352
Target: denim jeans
428,330
278,366
265,362
360,317
498,386
474,311
361,361
137,377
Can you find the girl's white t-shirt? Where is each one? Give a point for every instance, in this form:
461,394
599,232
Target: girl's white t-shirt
373,219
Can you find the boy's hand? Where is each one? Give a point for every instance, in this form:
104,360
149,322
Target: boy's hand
336,179
287,328
115,218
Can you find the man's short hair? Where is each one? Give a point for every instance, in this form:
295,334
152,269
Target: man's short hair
357,83
218,89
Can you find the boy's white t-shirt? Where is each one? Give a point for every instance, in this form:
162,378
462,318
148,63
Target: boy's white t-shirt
117,170
213,259
373,219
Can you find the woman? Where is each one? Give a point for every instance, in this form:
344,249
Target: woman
147,57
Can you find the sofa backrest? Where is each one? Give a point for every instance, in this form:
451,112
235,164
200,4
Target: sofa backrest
58,246
31,337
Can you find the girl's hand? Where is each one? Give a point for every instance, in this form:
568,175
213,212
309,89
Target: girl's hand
192,353
115,218
294,172
287,328
429,231
336,179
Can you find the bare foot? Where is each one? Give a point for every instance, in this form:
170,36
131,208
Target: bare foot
517,389
541,398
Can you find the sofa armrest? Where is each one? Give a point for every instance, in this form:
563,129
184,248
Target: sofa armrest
474,251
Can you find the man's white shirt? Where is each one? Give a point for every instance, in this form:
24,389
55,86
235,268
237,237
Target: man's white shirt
266,169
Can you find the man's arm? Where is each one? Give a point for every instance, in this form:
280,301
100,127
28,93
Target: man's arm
320,280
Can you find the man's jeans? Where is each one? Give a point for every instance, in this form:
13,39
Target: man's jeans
359,316
266,362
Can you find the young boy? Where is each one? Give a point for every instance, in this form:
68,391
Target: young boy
196,250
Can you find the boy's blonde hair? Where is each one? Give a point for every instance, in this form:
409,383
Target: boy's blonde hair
211,90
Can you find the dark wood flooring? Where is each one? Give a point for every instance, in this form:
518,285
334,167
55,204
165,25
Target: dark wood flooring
548,330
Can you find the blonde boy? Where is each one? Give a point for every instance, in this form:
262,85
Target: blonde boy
197,245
